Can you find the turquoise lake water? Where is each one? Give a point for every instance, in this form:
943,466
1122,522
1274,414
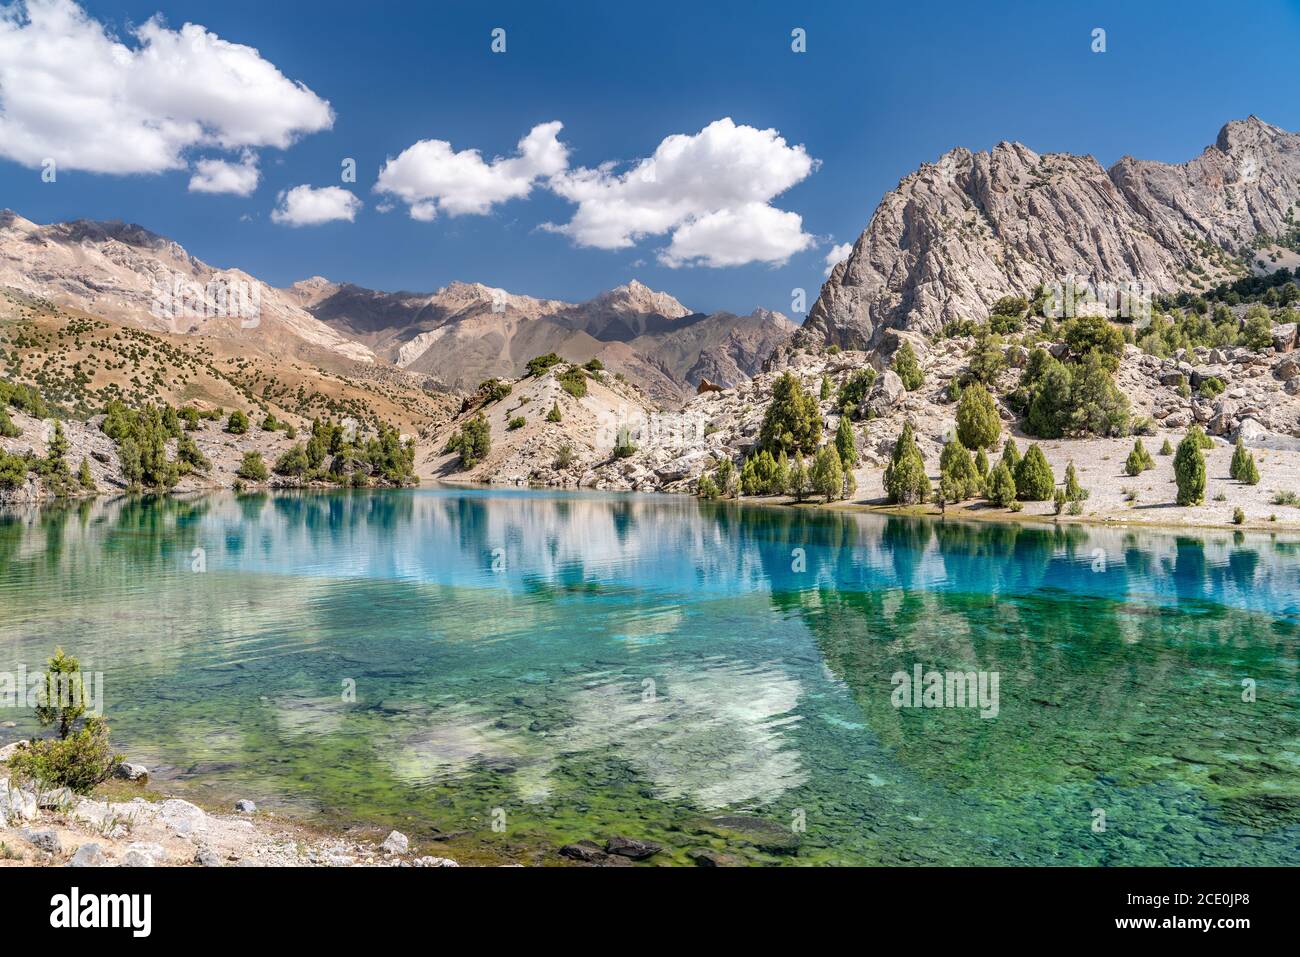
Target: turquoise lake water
499,672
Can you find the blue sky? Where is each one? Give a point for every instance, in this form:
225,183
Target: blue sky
881,89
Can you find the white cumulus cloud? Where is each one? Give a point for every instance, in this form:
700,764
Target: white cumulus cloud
72,92
308,206
219,176
837,255
431,177
711,191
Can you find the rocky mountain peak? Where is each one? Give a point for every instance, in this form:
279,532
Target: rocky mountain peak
636,296
958,234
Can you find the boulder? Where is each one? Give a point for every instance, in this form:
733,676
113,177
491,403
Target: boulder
132,772
587,851
207,857
1284,337
705,857
1288,368
633,849
182,817
88,855
396,843
245,807
45,840
887,393
1254,435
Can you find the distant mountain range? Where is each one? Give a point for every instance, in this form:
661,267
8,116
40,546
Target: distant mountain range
467,332
457,336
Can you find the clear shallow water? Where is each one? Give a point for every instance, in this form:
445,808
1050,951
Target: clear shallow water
579,665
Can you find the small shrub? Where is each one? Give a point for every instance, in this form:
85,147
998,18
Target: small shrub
1238,517
517,422
237,424
253,468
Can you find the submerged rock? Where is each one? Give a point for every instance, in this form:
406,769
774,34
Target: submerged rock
636,850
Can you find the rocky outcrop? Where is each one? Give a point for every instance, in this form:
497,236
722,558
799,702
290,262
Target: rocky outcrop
959,234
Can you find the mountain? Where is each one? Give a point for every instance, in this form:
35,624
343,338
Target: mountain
467,332
123,272
957,235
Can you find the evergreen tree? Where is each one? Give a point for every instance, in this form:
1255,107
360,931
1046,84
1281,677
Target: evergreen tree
826,388
781,476
56,455
253,468
854,390
1249,471
237,424
1166,449
473,441
905,480
1139,460
8,429
845,443
1034,479
554,414
1189,470
1001,486
128,457
1051,408
908,368
189,456
1074,492
978,424
982,465
293,462
84,478
958,477
792,423
725,477
797,481
827,473
1239,456
1010,455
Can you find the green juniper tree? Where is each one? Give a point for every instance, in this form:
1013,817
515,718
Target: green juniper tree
1189,470
1034,479
978,424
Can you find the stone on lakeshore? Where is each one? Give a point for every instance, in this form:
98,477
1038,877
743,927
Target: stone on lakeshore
588,851
207,857
705,857
435,862
245,807
46,840
88,855
396,843
636,850
136,859
182,816
132,772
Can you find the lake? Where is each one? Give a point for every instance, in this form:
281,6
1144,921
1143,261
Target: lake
507,671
